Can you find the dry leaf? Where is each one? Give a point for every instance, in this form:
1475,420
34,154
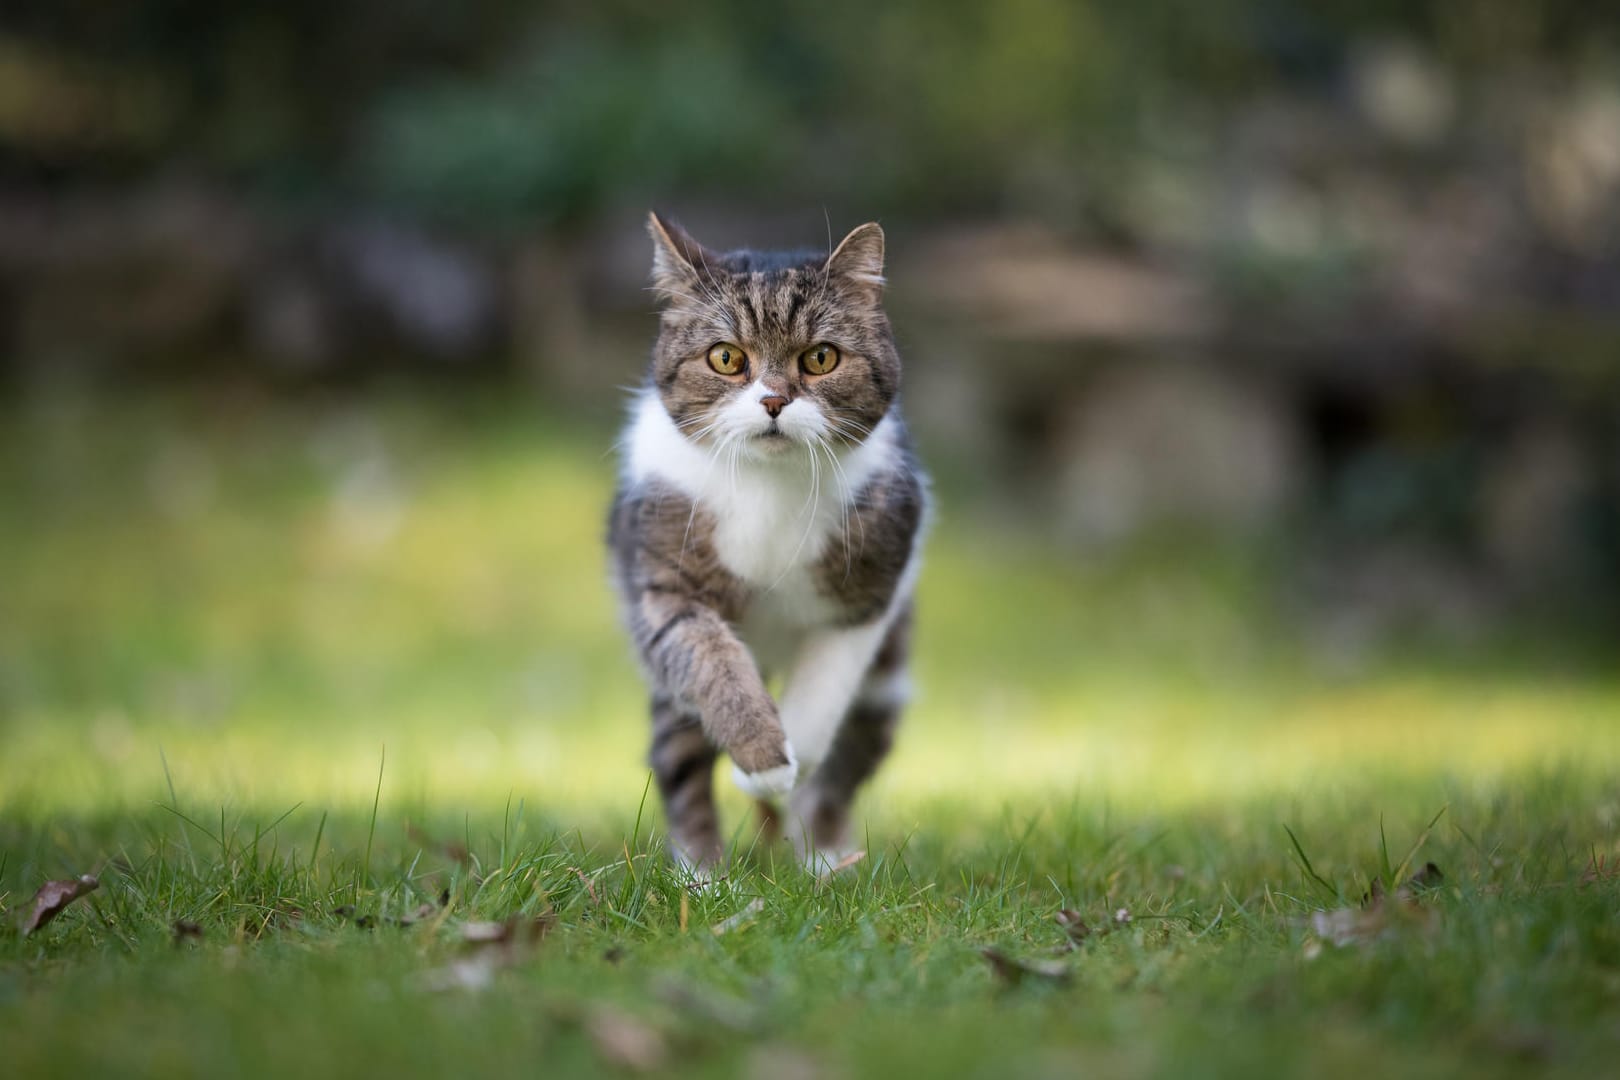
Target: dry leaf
1598,868
596,901
492,946
739,920
474,972
1349,926
1381,914
1073,925
53,896
423,913
486,933
1013,972
1428,877
516,930
847,861
186,930
842,864
625,1041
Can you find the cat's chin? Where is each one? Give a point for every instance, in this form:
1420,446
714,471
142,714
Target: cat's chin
772,445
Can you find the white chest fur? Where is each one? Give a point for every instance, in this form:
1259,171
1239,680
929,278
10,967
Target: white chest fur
773,518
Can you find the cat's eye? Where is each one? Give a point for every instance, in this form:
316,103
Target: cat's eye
727,359
819,359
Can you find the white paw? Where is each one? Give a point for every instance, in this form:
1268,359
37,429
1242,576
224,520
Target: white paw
825,862
768,783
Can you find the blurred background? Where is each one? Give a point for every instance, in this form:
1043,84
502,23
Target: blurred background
1251,343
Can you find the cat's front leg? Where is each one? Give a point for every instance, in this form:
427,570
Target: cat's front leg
826,673
698,660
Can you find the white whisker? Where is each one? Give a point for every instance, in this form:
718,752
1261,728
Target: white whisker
814,502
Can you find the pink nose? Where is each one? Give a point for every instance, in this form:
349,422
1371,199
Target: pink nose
774,404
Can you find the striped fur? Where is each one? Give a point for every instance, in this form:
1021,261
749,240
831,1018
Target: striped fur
769,518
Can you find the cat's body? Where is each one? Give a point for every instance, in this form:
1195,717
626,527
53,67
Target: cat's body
767,524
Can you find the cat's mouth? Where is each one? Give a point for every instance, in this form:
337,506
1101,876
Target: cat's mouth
773,439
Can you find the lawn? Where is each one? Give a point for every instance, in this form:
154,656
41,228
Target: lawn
320,691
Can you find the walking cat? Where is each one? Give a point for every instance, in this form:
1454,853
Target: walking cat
767,523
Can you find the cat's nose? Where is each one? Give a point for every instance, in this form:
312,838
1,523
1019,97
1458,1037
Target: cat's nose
774,404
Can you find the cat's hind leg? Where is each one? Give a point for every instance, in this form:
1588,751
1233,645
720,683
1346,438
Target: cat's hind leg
682,760
821,805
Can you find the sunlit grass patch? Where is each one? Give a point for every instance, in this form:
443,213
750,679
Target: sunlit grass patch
211,628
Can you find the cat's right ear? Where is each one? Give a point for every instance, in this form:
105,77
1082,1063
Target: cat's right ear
679,262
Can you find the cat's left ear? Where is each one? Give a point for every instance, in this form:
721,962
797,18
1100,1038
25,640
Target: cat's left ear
859,259
678,260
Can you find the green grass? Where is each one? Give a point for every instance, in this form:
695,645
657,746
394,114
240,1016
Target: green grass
215,615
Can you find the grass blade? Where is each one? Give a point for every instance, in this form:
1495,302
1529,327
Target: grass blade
376,801
1310,871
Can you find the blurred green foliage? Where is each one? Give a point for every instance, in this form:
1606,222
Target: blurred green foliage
496,111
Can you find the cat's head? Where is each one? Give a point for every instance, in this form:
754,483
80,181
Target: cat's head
772,354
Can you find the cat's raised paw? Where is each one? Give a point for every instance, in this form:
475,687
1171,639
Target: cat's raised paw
767,783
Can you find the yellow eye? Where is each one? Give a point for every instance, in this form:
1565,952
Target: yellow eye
727,359
819,359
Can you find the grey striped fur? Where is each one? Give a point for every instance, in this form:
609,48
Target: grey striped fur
688,598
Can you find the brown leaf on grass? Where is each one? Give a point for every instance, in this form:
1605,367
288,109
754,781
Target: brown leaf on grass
490,947
54,896
1428,877
1349,926
1014,972
1381,915
847,861
596,901
1073,925
515,931
841,865
743,918
475,972
423,913
185,930
625,1041
486,933
1599,868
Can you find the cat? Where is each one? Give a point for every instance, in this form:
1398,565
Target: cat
768,522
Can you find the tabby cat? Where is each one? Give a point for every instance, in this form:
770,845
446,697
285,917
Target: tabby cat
767,523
